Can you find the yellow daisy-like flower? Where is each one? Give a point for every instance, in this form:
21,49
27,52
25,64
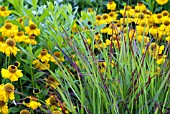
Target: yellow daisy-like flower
41,65
161,59
31,40
9,91
20,37
31,103
32,29
111,5
58,56
3,107
99,20
9,47
12,73
106,18
4,12
51,101
51,82
8,29
161,2
44,56
140,6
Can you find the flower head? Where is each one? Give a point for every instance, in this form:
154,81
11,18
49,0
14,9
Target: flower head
3,107
51,82
9,91
12,73
41,65
8,29
20,37
31,40
111,5
161,2
44,56
4,12
31,103
32,29
9,47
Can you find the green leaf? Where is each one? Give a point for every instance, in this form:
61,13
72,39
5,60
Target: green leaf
39,74
25,78
37,52
158,9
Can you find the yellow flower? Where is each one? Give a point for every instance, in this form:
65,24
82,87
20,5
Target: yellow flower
160,59
113,15
20,37
31,40
12,73
161,2
8,29
99,20
44,56
9,47
106,18
20,20
4,12
58,56
25,111
111,5
51,82
51,101
31,103
3,107
140,6
141,37
168,38
108,42
158,18
9,91
32,29
41,65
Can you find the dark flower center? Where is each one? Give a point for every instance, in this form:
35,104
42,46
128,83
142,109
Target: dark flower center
3,8
9,88
57,54
20,33
43,52
105,16
2,103
12,68
33,26
10,42
1,39
8,26
27,100
53,101
98,17
24,112
166,22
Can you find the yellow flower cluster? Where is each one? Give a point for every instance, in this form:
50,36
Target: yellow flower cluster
42,63
56,106
10,35
139,23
